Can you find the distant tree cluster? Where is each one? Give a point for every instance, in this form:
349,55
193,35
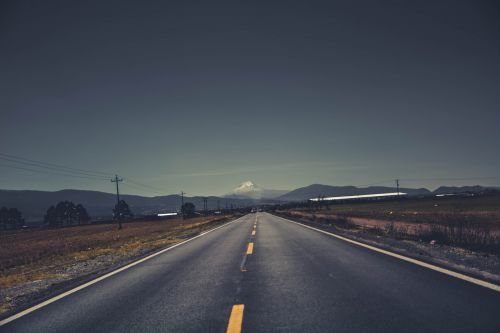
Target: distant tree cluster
188,209
66,213
10,218
122,211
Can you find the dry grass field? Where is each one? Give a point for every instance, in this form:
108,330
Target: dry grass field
483,209
30,246
31,260
469,222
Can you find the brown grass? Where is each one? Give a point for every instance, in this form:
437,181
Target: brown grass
454,229
29,255
15,279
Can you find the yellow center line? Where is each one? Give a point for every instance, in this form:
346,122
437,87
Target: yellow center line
250,248
236,319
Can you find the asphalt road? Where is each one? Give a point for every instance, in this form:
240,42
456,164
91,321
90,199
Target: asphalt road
295,279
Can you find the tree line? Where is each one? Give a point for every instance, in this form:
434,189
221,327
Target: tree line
65,213
10,218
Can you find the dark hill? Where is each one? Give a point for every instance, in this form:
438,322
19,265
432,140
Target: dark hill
463,189
34,204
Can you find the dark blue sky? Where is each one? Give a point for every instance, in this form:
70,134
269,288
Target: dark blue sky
199,96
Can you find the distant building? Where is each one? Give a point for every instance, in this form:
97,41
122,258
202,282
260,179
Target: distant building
361,196
167,214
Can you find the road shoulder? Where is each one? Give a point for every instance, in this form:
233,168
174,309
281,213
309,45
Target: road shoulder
477,265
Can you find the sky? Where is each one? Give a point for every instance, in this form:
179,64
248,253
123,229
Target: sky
198,96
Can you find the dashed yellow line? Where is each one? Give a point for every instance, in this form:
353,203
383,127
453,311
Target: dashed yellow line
250,248
236,319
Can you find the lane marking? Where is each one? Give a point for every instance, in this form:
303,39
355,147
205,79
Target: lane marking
243,263
88,284
460,276
236,319
250,248
249,251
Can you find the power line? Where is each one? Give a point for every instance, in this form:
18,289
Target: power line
53,166
49,168
26,164
143,185
51,172
182,204
427,179
445,179
377,183
137,188
118,212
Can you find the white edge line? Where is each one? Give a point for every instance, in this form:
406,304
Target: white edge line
105,276
460,276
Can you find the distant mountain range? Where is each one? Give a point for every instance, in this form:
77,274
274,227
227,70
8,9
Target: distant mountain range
34,204
463,189
315,190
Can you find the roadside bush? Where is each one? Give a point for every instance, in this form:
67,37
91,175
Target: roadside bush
342,222
462,233
400,232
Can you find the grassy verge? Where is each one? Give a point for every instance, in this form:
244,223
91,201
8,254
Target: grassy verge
479,263
445,229
471,222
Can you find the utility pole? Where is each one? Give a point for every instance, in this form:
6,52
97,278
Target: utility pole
205,205
182,204
397,186
117,180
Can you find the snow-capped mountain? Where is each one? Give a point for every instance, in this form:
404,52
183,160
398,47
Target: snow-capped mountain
248,189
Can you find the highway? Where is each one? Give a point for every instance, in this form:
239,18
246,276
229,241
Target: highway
262,273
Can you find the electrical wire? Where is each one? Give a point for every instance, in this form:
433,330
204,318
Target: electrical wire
51,172
52,166
141,189
143,185
445,179
26,164
377,183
